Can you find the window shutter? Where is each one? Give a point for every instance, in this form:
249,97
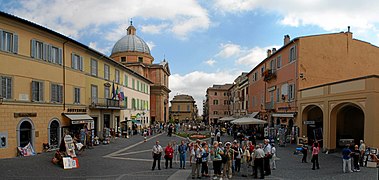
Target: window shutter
40,91
60,56
33,48
34,90
49,52
60,94
15,44
81,63
72,60
44,53
9,88
1,40
53,93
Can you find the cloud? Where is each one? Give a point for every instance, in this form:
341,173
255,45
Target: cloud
254,56
94,46
151,44
73,18
210,62
197,82
229,50
154,29
329,15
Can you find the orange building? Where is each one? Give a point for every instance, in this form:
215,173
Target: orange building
134,53
183,108
217,102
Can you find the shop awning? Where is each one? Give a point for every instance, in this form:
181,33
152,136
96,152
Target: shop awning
79,118
136,121
228,118
288,115
249,119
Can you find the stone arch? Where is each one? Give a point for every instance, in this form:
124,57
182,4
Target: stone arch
313,123
346,122
54,133
25,132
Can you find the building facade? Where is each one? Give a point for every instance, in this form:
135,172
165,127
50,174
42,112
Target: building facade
217,102
52,85
183,108
134,53
239,95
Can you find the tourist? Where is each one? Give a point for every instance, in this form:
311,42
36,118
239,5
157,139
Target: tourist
346,154
195,161
258,161
268,156
182,153
204,162
238,157
169,154
315,151
157,153
216,154
304,150
273,159
229,155
245,160
356,157
362,149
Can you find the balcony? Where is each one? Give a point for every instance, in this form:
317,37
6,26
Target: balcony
106,103
269,74
270,105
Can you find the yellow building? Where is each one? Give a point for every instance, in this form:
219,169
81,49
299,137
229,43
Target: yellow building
51,85
183,108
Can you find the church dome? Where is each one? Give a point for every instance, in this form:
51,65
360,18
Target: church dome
131,43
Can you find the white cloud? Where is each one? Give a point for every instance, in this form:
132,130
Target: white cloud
254,56
72,17
210,62
154,29
329,15
197,82
229,50
105,50
151,44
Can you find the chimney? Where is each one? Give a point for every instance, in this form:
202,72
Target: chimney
273,50
286,39
268,52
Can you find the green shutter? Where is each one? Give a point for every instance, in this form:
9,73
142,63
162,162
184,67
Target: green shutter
15,44
33,48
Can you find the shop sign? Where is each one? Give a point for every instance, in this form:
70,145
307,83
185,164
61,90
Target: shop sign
81,121
16,115
76,110
309,122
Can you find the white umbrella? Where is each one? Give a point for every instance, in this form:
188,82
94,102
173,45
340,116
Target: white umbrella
248,120
228,118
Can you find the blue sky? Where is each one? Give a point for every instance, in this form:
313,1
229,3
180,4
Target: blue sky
205,42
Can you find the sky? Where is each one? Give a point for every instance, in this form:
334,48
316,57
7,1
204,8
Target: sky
205,42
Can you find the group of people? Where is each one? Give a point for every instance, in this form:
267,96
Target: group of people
358,157
228,159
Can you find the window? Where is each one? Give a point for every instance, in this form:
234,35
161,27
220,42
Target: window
225,94
126,80
292,54
291,92
140,59
262,69
215,93
117,76
133,84
215,112
76,62
123,59
255,76
226,112
215,102
106,92
278,95
138,86
279,62
46,52
188,108
106,72
6,87
273,64
37,91
134,103
8,42
93,67
76,95
94,94
178,107
126,102
56,93
137,106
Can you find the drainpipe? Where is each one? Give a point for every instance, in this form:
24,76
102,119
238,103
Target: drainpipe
64,75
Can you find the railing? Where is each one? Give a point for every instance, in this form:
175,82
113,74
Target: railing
269,74
106,103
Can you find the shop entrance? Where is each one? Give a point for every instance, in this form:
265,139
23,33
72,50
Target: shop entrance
25,133
313,124
54,134
107,121
350,124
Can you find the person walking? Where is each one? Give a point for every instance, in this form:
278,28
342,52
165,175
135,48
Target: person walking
238,157
245,160
356,157
229,155
315,151
346,159
216,154
169,154
362,149
304,150
182,155
258,161
268,156
204,160
195,161
273,159
157,154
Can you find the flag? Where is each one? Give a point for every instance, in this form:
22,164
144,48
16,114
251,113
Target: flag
117,93
113,91
120,95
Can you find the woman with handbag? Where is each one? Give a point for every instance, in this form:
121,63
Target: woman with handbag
169,154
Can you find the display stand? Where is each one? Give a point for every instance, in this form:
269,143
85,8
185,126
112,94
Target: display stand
71,161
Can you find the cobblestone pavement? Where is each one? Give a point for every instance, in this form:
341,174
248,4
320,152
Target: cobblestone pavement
131,159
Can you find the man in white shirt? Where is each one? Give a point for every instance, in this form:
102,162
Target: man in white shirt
258,157
268,156
157,153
